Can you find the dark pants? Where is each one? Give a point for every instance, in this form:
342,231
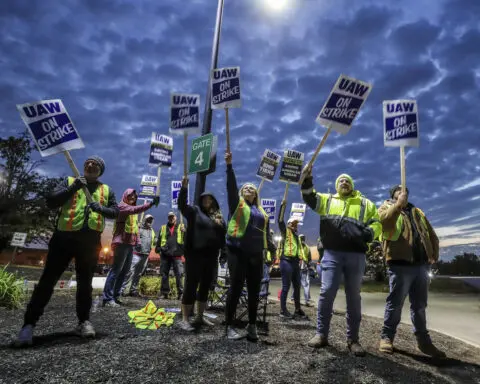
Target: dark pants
290,271
63,246
122,261
244,266
412,281
166,263
199,271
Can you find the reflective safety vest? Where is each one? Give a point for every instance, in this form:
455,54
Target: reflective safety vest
268,257
304,249
131,225
163,235
395,233
153,238
72,213
291,248
237,226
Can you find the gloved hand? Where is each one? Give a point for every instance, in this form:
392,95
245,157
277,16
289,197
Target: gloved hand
157,250
368,235
156,200
79,182
95,206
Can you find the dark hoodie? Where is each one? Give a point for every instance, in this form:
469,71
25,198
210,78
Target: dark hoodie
203,233
125,210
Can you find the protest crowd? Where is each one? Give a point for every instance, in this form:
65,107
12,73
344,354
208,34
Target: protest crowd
239,235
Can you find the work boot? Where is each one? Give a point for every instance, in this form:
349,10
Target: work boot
119,302
285,315
25,336
233,334
356,348
299,314
252,334
430,350
85,329
386,346
318,341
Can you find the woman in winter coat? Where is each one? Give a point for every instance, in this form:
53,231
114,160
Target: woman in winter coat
204,239
125,237
248,238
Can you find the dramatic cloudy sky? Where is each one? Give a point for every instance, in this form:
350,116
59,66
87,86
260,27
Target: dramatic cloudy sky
114,64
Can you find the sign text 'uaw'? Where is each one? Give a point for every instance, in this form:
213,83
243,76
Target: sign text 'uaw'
400,123
184,113
148,187
269,206
298,211
50,126
292,165
161,150
176,186
343,104
226,88
268,165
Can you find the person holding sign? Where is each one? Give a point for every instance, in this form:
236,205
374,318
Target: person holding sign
170,247
410,245
125,237
290,264
348,223
77,235
203,242
248,236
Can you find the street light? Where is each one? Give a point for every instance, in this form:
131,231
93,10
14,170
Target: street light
105,250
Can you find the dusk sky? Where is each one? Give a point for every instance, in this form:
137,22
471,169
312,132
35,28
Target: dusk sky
115,63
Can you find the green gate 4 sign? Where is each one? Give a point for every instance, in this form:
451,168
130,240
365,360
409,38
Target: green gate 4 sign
201,153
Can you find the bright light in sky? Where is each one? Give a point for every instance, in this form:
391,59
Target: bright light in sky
277,4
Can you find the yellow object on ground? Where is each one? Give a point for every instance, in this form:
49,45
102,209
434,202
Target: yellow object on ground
151,317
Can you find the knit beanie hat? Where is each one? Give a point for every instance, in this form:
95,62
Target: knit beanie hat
99,161
395,188
344,175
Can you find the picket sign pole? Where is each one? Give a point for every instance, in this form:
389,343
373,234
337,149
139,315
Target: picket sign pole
286,192
159,173
403,174
227,129
143,213
260,186
317,151
77,174
185,145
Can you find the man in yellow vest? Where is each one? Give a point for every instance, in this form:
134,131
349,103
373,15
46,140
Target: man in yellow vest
77,235
306,258
348,223
410,246
170,246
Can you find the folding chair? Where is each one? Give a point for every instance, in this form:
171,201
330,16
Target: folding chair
217,297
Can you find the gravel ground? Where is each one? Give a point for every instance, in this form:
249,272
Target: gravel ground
123,354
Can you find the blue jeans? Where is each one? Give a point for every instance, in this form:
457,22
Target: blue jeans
290,271
122,260
412,280
305,283
352,266
139,263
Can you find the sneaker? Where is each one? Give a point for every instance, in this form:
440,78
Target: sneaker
252,334
25,337
285,315
111,303
318,341
202,320
430,350
299,314
386,346
233,334
85,329
355,348
186,326
308,304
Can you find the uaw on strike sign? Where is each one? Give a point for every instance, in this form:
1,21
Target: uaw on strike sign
51,127
184,113
161,150
343,104
268,165
226,88
148,187
400,123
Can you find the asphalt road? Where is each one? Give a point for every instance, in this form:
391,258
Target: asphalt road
456,315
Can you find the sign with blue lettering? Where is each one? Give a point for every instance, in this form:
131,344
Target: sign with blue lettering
184,113
148,187
292,165
176,186
269,206
343,104
400,123
51,127
225,84
268,165
161,149
298,211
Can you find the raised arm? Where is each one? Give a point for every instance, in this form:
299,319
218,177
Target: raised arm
63,192
281,219
232,188
186,210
